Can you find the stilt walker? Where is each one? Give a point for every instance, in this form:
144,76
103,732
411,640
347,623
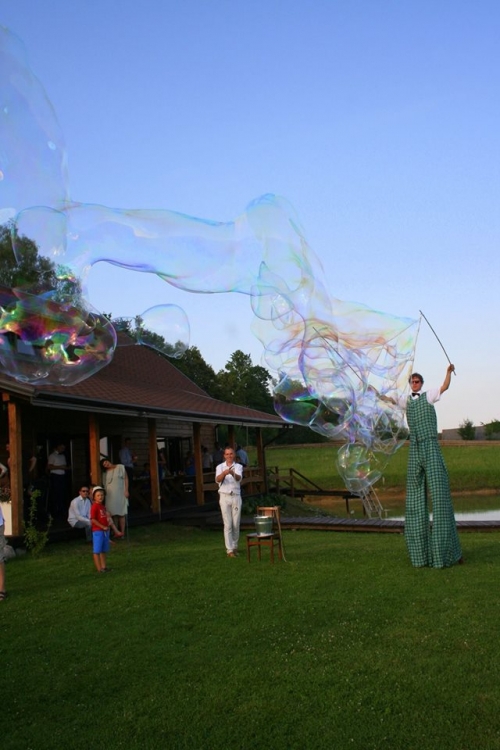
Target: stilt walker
427,473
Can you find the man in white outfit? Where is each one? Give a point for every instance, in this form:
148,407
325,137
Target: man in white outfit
228,476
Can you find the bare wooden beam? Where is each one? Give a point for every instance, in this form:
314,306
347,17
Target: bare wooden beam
198,479
94,449
15,467
153,466
261,458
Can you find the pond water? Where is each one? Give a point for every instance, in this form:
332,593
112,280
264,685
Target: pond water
480,515
467,508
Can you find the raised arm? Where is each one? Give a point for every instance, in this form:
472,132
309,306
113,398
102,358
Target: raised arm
447,380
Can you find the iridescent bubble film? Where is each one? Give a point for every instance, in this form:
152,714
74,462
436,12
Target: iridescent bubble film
340,366
33,169
52,339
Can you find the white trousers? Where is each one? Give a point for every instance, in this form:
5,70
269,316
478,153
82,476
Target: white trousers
230,507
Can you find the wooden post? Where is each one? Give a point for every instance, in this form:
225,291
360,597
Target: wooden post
261,458
94,449
198,466
153,467
230,436
15,466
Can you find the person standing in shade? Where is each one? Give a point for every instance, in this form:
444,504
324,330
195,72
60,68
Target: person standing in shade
128,459
115,481
218,455
241,456
206,460
228,476
57,468
427,472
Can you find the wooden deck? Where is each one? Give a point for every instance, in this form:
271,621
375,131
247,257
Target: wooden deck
331,523
209,517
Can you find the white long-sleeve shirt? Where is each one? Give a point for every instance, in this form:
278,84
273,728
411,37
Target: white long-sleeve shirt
79,510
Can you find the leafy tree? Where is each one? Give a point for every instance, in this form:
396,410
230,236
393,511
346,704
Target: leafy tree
467,431
492,429
245,384
32,272
299,435
136,330
194,366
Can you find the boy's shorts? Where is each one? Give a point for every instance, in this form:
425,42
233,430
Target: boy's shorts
3,544
100,541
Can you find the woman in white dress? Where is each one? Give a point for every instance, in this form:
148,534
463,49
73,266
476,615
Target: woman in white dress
115,482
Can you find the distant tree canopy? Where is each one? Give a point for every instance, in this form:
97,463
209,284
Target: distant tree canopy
134,327
31,272
467,431
246,384
200,372
492,430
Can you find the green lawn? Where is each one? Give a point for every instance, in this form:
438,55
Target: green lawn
343,646
471,467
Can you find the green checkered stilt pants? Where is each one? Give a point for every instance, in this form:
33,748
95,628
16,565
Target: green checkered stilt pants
427,475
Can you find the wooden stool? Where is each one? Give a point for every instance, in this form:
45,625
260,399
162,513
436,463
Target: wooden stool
267,540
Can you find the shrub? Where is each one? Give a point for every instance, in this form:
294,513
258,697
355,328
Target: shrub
492,430
467,431
34,538
250,504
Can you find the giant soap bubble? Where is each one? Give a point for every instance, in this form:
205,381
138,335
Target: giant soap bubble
340,366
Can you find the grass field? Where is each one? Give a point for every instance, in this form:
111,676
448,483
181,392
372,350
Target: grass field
471,466
344,646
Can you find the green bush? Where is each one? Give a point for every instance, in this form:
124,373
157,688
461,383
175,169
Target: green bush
492,430
34,538
467,431
250,504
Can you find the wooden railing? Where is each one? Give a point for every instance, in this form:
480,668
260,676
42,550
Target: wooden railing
289,481
252,482
294,483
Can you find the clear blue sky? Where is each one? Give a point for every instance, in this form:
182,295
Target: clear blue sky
378,120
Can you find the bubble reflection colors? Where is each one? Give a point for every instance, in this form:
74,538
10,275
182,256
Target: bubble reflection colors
47,340
340,365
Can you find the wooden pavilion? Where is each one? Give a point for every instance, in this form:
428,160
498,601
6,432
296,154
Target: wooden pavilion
140,395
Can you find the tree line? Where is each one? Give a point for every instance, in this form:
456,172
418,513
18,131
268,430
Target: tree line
467,429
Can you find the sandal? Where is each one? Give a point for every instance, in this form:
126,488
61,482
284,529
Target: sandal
3,595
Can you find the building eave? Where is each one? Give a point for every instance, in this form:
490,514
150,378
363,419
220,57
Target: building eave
71,403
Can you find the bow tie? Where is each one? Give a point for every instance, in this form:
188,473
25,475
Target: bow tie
415,395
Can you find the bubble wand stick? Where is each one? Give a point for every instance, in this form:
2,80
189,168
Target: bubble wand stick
435,334
336,351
